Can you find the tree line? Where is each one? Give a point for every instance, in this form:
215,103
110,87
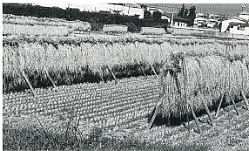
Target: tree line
186,13
96,19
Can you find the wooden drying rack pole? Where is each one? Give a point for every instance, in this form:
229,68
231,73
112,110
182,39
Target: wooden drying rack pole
154,71
49,77
108,67
244,97
218,109
159,103
114,77
207,110
27,81
140,67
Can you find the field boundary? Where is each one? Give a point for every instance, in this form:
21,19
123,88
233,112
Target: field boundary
201,32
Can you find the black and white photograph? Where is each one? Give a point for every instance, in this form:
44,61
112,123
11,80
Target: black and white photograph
125,76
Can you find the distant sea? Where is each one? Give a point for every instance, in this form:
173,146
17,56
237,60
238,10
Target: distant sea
228,9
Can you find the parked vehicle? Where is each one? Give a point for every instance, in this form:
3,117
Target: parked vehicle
200,22
212,23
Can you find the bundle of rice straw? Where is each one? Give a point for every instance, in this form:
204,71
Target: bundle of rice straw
202,79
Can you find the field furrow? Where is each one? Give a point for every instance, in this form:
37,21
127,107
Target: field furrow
107,104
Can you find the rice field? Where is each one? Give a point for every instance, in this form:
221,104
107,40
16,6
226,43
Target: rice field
100,92
119,112
33,26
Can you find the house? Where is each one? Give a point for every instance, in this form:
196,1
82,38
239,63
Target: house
129,9
180,22
200,15
242,29
176,21
217,17
166,18
151,9
214,16
244,14
235,25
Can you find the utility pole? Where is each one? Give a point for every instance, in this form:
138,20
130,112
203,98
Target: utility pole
243,6
171,24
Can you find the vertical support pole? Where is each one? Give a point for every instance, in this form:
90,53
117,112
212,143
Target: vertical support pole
152,68
234,105
218,109
109,69
45,45
188,123
154,71
160,100
229,82
140,64
49,77
161,52
23,73
27,81
155,113
207,110
244,96
140,67
195,118
101,74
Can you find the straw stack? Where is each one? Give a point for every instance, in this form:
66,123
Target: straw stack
205,79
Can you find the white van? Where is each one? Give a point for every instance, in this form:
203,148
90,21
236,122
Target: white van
200,22
212,23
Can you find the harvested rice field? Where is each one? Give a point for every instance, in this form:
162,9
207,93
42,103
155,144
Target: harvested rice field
109,116
126,92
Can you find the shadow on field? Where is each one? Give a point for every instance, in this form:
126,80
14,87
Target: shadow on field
172,120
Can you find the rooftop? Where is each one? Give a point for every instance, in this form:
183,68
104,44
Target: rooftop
244,13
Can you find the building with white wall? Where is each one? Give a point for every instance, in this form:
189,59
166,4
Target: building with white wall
244,15
238,29
235,25
126,9
175,20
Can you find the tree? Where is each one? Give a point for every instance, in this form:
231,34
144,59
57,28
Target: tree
143,6
181,12
192,12
157,15
192,15
186,11
147,14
